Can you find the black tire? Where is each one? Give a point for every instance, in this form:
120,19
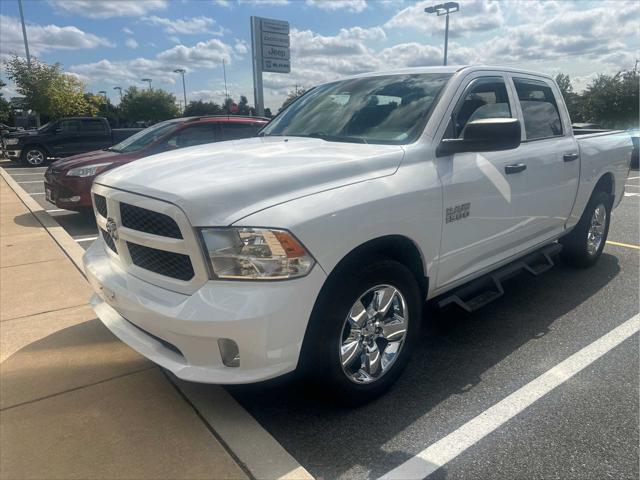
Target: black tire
321,350
576,251
32,152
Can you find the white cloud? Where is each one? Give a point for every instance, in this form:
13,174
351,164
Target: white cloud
241,47
127,30
185,26
202,55
331,5
109,8
262,3
44,38
223,3
474,16
207,54
131,43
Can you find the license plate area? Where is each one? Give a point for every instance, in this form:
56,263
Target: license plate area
48,194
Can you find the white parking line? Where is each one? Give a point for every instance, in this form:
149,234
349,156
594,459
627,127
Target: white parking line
54,210
632,178
631,194
24,174
86,239
449,447
31,181
35,193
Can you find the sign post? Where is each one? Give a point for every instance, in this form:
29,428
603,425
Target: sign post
270,44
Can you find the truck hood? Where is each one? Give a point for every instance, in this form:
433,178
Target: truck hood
218,184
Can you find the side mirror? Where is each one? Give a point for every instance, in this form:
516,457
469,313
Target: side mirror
486,135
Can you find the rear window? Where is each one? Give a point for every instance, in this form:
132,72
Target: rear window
539,109
234,131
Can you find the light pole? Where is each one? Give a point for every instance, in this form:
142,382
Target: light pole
147,80
24,35
182,71
119,90
444,9
106,100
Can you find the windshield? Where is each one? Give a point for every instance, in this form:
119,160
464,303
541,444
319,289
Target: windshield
384,109
143,138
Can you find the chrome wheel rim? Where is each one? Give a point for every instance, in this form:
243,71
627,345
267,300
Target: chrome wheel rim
373,334
595,235
35,157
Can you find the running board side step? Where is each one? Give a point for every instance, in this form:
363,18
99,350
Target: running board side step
478,293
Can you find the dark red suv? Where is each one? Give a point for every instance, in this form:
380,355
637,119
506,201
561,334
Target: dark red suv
67,182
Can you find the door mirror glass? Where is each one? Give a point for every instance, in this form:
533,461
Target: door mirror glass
484,135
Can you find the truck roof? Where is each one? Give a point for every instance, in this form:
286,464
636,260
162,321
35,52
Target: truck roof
447,69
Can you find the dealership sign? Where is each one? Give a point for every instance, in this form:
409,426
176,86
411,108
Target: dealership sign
270,46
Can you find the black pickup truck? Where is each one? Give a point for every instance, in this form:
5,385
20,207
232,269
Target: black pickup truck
62,138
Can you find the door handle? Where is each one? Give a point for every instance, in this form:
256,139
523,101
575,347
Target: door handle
519,167
570,157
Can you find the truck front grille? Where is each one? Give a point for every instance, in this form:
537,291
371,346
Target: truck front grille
101,204
108,240
170,264
150,239
148,221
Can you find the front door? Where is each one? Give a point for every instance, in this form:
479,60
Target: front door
479,196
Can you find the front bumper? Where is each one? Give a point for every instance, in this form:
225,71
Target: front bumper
71,193
12,154
267,320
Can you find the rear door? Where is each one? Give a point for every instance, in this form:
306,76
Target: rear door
479,197
95,135
551,155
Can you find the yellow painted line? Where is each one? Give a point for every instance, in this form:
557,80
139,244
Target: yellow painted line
618,244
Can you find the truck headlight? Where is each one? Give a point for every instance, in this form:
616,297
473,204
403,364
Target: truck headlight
88,171
255,254
11,141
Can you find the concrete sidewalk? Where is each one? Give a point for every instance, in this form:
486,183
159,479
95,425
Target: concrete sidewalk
75,402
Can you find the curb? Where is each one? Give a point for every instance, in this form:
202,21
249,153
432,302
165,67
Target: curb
255,449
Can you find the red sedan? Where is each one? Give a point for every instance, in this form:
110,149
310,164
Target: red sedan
68,182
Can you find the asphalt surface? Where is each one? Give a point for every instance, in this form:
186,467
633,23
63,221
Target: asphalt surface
587,428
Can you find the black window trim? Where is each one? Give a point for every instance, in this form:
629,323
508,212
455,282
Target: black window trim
524,130
473,83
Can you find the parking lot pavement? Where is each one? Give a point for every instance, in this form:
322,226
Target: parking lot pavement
464,364
74,401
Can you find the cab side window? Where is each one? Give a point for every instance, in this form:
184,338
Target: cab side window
93,127
69,126
539,109
195,135
487,98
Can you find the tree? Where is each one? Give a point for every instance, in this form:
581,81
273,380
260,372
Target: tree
5,107
243,106
46,89
571,98
197,108
612,100
153,105
293,94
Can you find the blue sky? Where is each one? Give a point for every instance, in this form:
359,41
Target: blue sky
109,43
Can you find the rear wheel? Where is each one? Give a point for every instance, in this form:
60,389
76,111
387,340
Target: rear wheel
583,246
33,156
362,330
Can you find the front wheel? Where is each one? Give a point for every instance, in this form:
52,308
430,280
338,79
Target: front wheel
33,157
583,246
362,330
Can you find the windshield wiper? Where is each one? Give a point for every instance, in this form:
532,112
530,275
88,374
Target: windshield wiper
332,138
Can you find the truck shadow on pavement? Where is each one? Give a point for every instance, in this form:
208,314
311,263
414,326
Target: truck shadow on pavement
442,387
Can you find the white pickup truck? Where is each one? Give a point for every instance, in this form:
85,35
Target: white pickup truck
314,246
